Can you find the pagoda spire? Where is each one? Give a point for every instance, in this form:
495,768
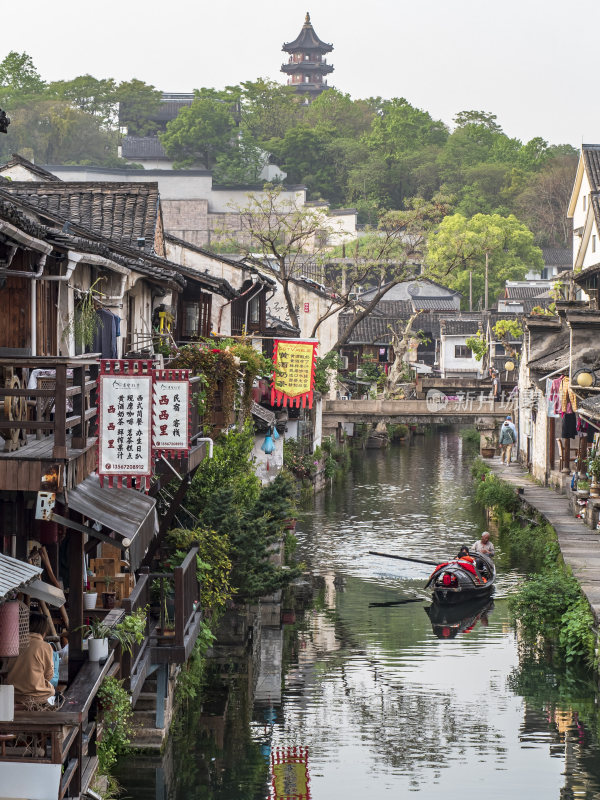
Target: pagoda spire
306,66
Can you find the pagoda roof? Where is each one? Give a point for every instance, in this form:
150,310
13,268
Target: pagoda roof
307,40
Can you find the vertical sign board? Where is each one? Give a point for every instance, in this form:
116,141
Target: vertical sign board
294,375
125,423
289,771
171,410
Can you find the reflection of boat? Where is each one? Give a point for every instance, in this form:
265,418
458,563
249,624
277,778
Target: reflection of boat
461,580
448,621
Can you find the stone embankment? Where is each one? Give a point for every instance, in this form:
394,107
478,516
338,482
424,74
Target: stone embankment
579,544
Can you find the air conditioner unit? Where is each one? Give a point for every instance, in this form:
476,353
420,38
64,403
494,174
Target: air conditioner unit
344,360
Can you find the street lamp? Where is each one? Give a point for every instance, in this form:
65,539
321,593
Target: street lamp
509,366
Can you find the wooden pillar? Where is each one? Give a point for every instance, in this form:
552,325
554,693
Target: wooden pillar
60,413
76,656
80,430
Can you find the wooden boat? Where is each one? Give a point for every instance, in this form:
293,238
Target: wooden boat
448,621
461,580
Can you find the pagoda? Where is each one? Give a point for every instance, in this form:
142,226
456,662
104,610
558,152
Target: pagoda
306,66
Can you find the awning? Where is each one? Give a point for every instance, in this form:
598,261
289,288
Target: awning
15,574
128,513
46,592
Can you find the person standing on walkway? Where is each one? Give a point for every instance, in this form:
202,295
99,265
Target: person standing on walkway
506,440
512,425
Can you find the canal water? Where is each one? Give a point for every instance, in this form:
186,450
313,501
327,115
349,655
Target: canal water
379,697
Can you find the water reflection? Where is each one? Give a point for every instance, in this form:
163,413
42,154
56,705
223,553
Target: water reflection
372,685
448,621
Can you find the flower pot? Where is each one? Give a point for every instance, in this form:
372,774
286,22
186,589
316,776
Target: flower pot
108,599
89,600
97,649
488,452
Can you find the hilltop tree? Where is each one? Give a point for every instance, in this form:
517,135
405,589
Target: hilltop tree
19,78
461,247
200,133
138,102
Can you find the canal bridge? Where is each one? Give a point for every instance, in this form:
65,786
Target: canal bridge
480,411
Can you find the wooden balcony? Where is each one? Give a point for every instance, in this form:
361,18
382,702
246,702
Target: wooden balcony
37,741
168,641
49,407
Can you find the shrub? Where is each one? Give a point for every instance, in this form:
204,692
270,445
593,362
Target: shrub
117,730
542,601
496,494
576,638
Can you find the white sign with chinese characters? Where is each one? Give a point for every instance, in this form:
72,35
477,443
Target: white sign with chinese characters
171,409
125,425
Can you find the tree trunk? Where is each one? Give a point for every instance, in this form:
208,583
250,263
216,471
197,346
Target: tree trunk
400,343
365,312
290,303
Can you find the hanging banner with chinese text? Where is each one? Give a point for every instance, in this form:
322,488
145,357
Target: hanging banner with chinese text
294,375
125,422
289,770
171,412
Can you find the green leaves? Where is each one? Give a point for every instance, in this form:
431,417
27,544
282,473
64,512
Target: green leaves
459,247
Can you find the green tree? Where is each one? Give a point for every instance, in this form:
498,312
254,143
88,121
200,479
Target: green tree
96,96
19,78
461,246
401,128
268,109
138,103
200,133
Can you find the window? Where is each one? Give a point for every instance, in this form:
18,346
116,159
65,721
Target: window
593,243
462,351
584,202
499,349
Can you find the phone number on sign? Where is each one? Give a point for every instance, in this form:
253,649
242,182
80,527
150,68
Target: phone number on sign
126,467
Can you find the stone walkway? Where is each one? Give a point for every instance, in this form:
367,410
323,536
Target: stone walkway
579,545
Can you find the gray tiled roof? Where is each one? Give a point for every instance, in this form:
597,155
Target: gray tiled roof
460,327
15,573
591,159
142,147
434,303
121,212
307,39
42,174
558,257
522,292
371,330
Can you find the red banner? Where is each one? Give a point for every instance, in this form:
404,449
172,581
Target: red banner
294,376
289,773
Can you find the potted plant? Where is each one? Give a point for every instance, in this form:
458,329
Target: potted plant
593,468
97,634
583,488
131,630
489,451
108,597
89,600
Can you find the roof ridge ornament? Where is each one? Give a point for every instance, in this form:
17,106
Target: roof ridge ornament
307,19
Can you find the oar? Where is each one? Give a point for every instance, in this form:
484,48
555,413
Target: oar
399,602
404,558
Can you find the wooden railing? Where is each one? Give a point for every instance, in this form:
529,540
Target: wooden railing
134,665
72,400
187,596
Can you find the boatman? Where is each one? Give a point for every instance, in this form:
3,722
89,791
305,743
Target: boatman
484,546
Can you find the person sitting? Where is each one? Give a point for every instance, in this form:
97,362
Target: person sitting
33,669
484,546
464,555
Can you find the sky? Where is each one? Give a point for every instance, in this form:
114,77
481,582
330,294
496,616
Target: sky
530,62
